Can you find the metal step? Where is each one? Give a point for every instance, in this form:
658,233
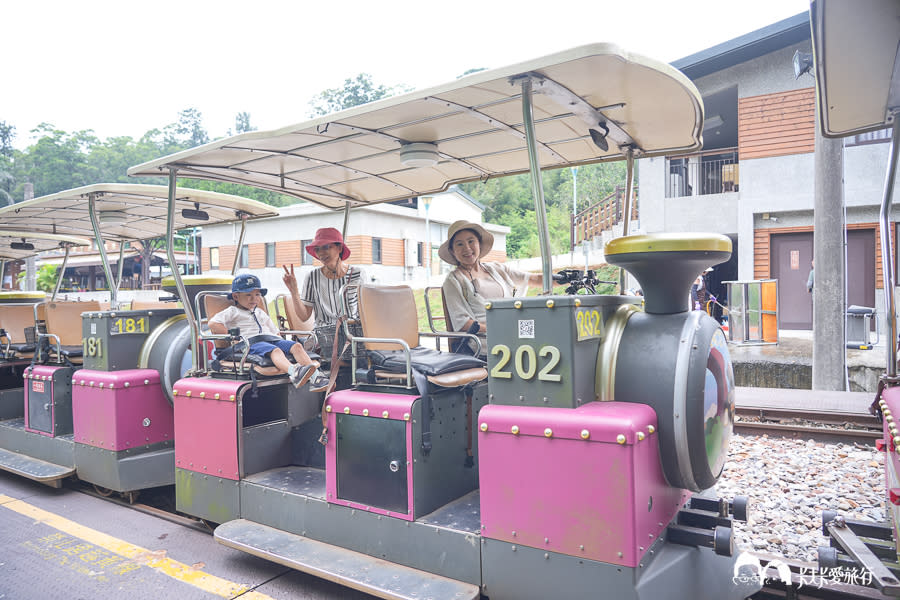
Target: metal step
34,468
362,572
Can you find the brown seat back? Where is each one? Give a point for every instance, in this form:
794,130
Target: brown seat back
294,322
14,318
213,305
63,319
388,312
151,304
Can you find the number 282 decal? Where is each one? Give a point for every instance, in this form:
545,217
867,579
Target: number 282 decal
525,362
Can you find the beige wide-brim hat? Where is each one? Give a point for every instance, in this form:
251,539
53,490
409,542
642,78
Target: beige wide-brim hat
486,240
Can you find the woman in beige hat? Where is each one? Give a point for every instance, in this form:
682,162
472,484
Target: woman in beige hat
472,282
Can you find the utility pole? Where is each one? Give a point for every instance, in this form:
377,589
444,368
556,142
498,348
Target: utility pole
829,371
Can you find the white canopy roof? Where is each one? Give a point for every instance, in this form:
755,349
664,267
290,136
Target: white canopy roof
477,125
126,211
857,72
30,243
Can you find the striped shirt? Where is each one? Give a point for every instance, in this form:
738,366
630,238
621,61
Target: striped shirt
324,295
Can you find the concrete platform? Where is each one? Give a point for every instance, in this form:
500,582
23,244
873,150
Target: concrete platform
59,543
788,364
819,400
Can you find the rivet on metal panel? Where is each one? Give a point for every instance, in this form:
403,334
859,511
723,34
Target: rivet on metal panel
620,438
514,548
365,412
515,429
488,305
546,540
231,397
406,416
517,304
216,396
513,533
91,383
585,434
146,382
897,440
484,427
174,392
127,384
101,385
327,408
203,394
548,432
651,429
521,398
577,302
385,414
188,393
346,410
550,303
82,383
641,549
888,417
490,398
581,547
640,436
146,422
547,555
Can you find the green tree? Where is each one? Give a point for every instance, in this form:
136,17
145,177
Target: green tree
56,161
45,280
242,123
7,133
360,90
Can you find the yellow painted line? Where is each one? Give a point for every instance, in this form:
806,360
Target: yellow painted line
153,559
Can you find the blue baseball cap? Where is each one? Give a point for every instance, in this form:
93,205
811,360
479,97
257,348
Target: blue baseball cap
246,283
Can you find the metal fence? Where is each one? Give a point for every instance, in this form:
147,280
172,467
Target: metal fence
702,174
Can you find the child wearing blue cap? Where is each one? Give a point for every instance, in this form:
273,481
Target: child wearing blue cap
262,335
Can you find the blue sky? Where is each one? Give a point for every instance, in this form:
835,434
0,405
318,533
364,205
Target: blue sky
121,68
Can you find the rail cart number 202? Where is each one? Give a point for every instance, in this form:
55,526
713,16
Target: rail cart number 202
525,362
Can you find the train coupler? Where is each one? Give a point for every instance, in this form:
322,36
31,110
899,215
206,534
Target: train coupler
861,547
707,522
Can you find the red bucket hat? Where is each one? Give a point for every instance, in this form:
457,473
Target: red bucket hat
328,235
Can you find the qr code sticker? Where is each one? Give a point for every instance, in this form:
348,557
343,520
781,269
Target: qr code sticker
526,328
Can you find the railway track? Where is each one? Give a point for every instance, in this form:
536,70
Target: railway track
833,426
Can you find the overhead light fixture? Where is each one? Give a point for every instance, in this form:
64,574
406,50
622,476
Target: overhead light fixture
600,138
714,122
195,213
419,154
803,62
23,245
112,217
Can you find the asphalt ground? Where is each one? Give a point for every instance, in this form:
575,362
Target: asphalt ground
60,543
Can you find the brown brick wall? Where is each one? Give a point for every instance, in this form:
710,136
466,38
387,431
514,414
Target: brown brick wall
256,256
777,124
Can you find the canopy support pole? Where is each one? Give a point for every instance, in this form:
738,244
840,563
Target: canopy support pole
626,209
537,186
346,221
240,244
176,274
887,250
62,271
104,259
121,267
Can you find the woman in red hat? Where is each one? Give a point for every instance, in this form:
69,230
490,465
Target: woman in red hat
321,290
